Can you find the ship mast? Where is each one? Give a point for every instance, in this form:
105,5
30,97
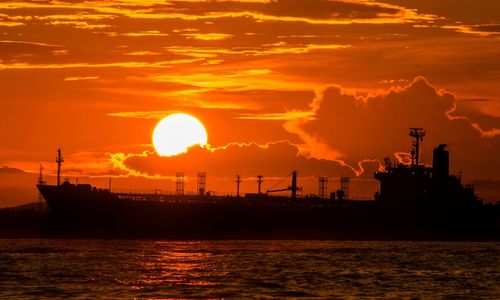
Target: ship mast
59,161
294,185
259,183
40,177
418,134
238,181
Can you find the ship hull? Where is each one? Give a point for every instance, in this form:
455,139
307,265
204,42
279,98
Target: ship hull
100,210
92,212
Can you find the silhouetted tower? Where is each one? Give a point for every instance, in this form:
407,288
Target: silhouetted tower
259,182
201,183
179,183
344,186
323,187
238,181
59,161
418,134
440,163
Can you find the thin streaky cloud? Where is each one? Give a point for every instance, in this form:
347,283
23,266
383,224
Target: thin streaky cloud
284,116
208,36
142,114
77,78
29,43
130,64
471,29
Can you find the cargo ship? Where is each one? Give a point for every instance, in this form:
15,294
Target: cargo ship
414,202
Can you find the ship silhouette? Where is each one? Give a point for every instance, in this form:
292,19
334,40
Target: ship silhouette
414,202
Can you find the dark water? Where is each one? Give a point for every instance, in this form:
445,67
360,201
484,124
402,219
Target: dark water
235,269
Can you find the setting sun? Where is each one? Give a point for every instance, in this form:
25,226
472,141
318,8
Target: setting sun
175,133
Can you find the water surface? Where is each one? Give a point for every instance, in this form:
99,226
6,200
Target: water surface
234,269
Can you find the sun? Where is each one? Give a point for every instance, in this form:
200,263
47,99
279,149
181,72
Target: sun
175,133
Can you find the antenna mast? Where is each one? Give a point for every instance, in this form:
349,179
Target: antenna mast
59,161
418,134
238,181
294,187
259,182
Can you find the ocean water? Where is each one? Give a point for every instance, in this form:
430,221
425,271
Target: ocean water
243,269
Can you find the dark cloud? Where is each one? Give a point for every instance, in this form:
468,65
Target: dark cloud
357,126
455,10
321,9
488,28
274,160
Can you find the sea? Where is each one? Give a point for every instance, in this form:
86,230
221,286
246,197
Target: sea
48,268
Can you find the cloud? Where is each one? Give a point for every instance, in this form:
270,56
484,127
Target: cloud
142,53
273,160
234,80
208,36
316,12
354,126
79,24
77,78
286,116
10,23
478,30
490,133
143,33
28,43
261,50
123,64
180,100
142,114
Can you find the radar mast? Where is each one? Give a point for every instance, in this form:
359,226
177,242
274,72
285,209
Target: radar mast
418,134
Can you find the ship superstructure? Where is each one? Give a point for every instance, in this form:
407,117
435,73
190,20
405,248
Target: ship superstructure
416,184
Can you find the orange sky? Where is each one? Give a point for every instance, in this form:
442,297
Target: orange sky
325,87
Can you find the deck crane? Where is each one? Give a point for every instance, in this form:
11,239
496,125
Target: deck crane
292,188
